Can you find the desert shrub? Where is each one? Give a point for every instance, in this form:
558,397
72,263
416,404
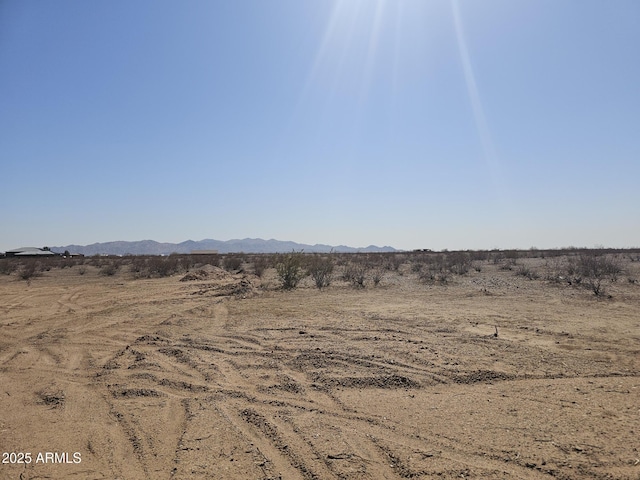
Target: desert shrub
496,257
524,271
417,266
356,273
612,268
394,261
507,264
512,255
260,264
95,260
438,262
527,272
187,262
45,264
138,267
109,268
82,270
375,260
434,275
572,272
67,262
289,269
418,261
593,270
339,259
8,266
534,252
321,270
458,263
232,263
29,269
206,259
596,285
377,274
555,269
163,266
437,270
479,255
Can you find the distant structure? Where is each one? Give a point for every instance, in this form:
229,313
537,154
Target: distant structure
31,252
204,252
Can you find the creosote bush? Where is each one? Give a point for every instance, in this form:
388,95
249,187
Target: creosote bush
8,266
527,272
377,274
206,259
417,266
260,264
508,264
163,266
555,270
593,270
321,270
355,273
458,263
139,267
109,268
29,270
232,263
437,268
393,262
434,275
289,270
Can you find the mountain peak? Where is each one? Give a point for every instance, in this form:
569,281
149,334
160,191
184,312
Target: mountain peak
246,245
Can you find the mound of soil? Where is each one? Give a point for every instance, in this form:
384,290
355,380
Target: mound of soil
207,272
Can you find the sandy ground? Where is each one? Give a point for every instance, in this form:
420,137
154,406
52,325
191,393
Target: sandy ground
166,379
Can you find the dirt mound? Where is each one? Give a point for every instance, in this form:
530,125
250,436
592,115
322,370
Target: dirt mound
234,287
192,276
207,272
220,283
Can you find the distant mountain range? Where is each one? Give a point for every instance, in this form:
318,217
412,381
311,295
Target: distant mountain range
247,245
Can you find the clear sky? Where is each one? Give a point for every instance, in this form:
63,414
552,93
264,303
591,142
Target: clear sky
411,123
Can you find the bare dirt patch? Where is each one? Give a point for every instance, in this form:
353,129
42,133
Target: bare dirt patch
491,375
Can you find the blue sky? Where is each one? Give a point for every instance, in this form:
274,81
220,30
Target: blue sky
410,123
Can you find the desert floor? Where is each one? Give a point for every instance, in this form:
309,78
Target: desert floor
226,377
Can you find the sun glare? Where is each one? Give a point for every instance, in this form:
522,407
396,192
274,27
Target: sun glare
360,47
382,54
474,96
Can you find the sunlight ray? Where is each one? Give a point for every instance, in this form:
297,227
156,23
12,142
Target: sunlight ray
395,65
474,96
374,38
329,34
396,50
324,62
339,69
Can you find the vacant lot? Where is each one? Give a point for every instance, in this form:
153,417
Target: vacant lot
487,374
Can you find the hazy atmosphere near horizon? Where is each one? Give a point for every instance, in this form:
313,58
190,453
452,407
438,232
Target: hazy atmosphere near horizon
410,123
